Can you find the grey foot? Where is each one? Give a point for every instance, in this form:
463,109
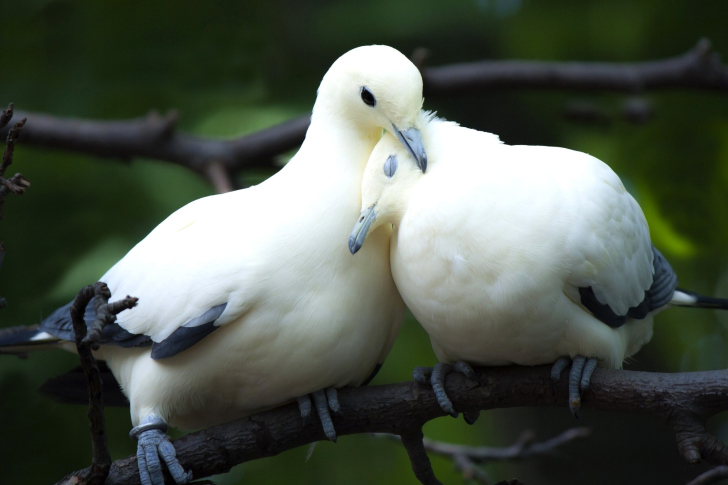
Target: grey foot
154,444
325,400
579,378
435,376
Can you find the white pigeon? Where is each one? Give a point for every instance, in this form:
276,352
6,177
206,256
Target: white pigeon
248,300
516,254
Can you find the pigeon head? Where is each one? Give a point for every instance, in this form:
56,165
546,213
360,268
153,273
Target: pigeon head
376,87
389,177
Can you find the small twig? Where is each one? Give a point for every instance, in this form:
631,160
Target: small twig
85,341
466,458
6,116
412,440
13,135
711,476
419,58
524,447
219,177
17,183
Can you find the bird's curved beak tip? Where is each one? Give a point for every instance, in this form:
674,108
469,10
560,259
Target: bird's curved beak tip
411,139
361,228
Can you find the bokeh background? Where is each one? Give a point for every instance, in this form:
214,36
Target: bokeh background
233,67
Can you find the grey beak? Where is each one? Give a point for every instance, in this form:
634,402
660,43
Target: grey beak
412,141
359,233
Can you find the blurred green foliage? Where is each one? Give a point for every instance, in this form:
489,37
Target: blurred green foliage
234,67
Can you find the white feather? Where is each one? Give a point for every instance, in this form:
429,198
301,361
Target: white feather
492,243
302,314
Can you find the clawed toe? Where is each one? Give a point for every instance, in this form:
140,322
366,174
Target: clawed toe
152,445
324,400
579,379
422,374
471,417
435,376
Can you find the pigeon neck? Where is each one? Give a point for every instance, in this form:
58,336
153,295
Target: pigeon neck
346,144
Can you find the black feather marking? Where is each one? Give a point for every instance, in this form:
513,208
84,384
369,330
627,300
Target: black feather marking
372,375
21,337
704,301
600,310
664,283
71,388
188,334
60,325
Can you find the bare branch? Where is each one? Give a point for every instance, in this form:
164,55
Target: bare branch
399,408
711,476
156,137
219,177
105,314
466,458
6,116
17,183
699,68
412,440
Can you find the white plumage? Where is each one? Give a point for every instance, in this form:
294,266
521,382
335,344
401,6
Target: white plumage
301,314
493,244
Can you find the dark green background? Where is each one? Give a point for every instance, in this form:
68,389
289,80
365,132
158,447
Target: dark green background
235,67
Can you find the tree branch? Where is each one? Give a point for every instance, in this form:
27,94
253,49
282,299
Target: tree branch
699,68
711,476
105,314
400,408
17,183
466,458
156,137
412,440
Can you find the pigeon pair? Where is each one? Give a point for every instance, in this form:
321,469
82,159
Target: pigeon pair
250,299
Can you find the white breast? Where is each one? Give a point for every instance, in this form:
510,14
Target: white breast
492,245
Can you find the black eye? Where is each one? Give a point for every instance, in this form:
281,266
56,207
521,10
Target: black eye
390,166
368,97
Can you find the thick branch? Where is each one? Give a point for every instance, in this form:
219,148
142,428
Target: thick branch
699,68
398,408
156,137
412,440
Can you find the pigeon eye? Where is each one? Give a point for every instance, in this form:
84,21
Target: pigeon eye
368,97
390,166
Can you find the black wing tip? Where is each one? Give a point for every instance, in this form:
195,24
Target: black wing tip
703,301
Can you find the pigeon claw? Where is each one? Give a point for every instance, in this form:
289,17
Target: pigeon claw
153,449
435,377
325,402
579,379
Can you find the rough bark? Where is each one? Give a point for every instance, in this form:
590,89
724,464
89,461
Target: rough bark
683,401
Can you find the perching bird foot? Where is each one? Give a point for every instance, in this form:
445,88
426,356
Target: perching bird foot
153,443
579,378
325,400
435,376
